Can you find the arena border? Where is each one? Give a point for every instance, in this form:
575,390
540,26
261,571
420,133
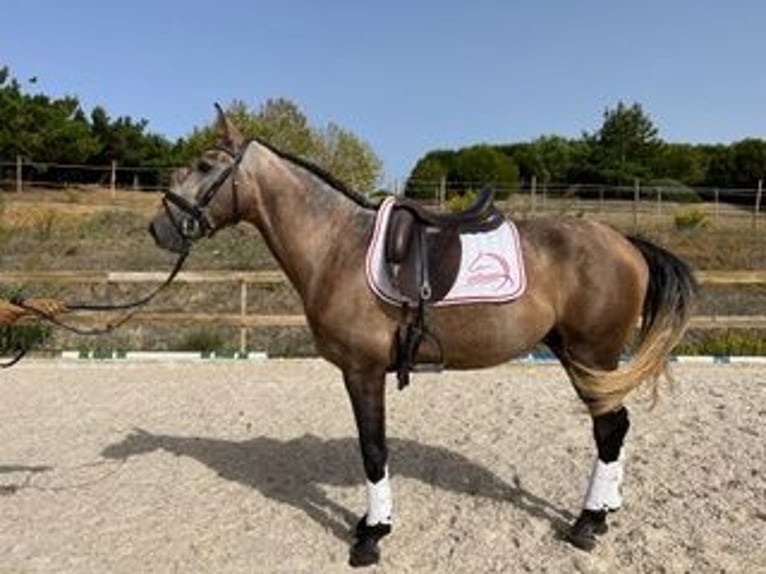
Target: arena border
688,359
182,356
158,356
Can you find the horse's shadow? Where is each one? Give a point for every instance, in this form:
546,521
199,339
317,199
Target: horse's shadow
292,472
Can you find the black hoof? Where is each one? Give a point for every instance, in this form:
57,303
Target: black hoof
365,550
585,530
363,530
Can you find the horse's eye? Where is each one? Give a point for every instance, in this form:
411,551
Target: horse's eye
204,166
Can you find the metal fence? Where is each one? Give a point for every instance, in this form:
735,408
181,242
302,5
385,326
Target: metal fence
25,174
630,206
634,203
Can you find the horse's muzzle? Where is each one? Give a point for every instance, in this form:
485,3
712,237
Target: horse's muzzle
167,236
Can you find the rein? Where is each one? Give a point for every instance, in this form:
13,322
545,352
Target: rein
132,307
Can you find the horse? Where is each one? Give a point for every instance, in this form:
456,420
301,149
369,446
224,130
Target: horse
588,288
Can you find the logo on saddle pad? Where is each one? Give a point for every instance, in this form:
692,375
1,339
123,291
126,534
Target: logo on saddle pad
490,270
490,267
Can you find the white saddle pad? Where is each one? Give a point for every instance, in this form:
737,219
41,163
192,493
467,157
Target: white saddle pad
491,267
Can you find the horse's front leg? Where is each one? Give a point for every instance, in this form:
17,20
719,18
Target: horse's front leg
367,392
603,494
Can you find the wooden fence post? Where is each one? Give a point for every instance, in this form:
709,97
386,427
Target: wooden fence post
442,192
659,204
532,193
636,199
716,213
243,315
758,196
19,174
113,179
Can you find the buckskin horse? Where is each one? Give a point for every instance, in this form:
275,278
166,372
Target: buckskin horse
588,287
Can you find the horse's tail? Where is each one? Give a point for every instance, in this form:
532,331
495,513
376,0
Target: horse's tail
664,319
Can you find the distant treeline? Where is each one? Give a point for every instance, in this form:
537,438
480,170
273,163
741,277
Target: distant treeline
56,131
54,134
624,149
59,142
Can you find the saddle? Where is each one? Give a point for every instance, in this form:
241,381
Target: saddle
422,247
422,251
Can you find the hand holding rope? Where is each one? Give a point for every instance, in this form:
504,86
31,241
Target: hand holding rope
11,312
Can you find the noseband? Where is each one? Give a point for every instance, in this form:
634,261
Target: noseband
196,218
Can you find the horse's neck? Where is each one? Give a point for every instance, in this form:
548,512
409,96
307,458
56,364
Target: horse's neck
304,221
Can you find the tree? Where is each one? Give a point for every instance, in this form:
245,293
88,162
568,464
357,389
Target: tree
123,140
284,125
551,159
10,111
49,131
127,142
467,169
483,165
347,157
524,156
428,173
40,128
681,162
66,134
741,164
625,146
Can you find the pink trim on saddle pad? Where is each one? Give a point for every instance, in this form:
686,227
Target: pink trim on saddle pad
491,268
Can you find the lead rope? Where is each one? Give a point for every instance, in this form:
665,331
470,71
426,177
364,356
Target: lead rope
133,307
20,352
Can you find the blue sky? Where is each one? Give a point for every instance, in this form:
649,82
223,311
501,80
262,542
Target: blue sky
407,76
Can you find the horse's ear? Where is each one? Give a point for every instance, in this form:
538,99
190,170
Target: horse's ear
228,134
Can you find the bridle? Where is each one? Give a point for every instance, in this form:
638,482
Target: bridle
196,218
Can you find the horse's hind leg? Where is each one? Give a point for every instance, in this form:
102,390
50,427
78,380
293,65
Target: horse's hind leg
609,431
367,393
603,495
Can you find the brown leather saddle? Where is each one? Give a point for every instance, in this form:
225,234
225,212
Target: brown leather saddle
422,247
422,252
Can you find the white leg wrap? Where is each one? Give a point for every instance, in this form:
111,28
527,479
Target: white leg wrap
379,501
604,489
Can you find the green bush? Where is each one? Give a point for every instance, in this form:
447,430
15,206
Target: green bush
723,343
14,338
691,218
205,341
459,202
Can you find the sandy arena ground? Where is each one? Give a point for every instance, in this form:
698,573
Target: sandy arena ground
253,467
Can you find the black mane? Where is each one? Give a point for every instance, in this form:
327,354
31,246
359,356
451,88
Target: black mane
321,173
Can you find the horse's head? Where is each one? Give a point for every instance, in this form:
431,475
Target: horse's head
202,197
137,442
